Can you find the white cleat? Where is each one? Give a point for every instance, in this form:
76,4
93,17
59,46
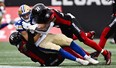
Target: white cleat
91,60
83,62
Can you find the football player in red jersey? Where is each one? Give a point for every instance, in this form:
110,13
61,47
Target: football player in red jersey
32,52
108,31
36,55
43,15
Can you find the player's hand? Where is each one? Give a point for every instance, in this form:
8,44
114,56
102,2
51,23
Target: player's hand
32,27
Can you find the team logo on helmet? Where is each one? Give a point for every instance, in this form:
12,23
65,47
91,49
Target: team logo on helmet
15,38
24,12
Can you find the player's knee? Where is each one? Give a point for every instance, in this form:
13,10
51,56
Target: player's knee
65,40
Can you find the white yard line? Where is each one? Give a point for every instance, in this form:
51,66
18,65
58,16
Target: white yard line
2,66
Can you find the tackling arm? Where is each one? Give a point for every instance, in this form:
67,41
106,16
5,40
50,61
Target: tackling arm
41,28
46,29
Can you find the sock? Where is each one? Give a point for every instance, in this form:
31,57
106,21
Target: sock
86,56
90,42
77,48
3,25
68,49
104,52
67,55
103,40
86,52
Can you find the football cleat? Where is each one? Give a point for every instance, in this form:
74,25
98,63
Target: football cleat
108,58
94,55
83,62
91,34
112,41
91,60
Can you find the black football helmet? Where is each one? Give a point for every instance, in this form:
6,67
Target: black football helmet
15,38
38,8
41,13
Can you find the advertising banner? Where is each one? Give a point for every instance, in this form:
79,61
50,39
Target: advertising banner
91,14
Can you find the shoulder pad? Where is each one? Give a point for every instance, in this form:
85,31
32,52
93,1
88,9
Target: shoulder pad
18,26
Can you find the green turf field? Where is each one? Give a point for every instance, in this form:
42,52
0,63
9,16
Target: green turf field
9,55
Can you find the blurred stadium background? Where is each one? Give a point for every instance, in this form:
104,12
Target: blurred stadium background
92,15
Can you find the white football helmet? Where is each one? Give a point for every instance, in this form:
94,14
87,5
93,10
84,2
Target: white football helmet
24,12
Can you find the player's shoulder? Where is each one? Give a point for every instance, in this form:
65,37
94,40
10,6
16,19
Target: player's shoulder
19,22
18,25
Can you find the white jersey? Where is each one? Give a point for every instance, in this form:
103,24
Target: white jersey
23,26
44,34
